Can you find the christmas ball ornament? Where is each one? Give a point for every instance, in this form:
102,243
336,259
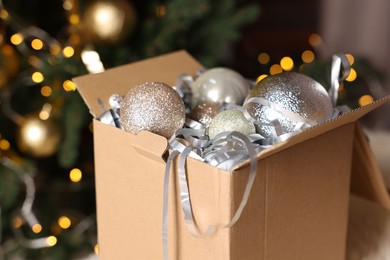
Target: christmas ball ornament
109,21
154,107
294,92
204,113
219,85
37,137
231,120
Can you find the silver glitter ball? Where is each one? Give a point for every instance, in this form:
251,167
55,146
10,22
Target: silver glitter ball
231,120
204,113
154,107
294,92
219,85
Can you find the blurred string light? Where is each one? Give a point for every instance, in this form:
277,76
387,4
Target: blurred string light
36,44
286,63
64,222
275,69
37,77
307,56
352,75
46,91
315,40
261,77
69,85
263,58
365,100
75,175
161,11
68,51
350,58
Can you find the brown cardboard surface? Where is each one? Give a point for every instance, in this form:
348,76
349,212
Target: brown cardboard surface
297,208
367,180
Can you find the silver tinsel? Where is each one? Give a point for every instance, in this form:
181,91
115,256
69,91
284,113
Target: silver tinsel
219,85
154,107
231,120
294,92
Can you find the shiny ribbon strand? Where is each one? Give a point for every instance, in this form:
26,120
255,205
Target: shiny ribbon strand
339,72
234,140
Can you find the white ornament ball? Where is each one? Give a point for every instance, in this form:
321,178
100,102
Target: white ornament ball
219,85
231,120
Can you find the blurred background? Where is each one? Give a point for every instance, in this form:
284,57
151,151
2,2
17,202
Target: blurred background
47,195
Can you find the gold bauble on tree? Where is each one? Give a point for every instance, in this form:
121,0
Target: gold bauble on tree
38,138
109,21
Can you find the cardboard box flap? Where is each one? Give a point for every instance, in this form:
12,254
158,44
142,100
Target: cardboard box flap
366,179
317,130
165,68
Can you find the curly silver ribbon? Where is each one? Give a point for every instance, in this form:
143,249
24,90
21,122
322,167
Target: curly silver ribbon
233,140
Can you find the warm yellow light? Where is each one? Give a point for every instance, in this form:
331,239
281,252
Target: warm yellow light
36,228
350,58
365,100
18,222
315,39
51,241
287,63
4,144
263,76
4,14
44,115
96,249
37,44
55,49
161,11
68,51
67,5
69,85
307,56
46,91
263,58
16,39
37,77
64,222
75,175
275,69
352,75
74,19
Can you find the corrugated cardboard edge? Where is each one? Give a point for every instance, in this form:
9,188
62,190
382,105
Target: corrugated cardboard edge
349,117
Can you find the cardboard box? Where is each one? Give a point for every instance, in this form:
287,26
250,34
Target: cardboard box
298,207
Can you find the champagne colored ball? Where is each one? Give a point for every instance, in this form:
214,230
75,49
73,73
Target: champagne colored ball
154,107
219,85
294,92
231,120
